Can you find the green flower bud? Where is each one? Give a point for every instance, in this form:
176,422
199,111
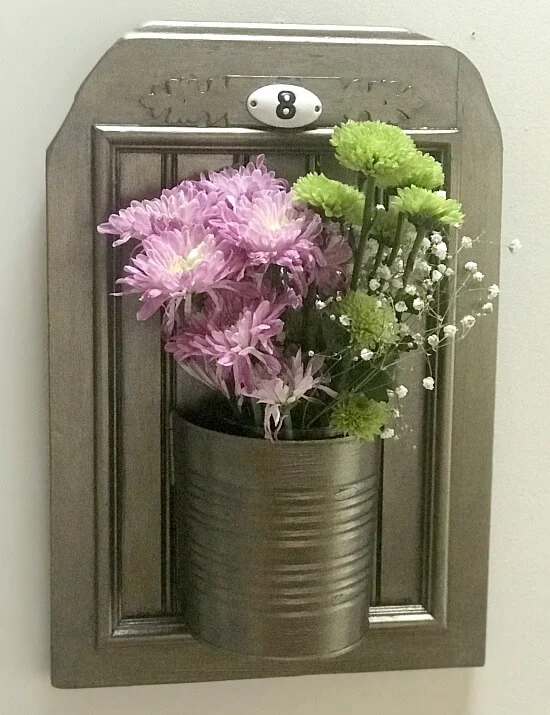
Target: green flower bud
422,170
358,416
432,210
370,325
375,148
335,199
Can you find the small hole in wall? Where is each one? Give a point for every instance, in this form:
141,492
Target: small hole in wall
253,103
317,108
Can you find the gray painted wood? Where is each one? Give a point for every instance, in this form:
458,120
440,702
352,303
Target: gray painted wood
114,618
139,417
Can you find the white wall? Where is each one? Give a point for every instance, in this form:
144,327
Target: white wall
46,49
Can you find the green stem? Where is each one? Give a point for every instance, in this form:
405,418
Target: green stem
397,240
288,430
257,412
378,259
368,213
308,325
346,367
351,241
420,235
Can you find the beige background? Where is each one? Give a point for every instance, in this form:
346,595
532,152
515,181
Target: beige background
46,49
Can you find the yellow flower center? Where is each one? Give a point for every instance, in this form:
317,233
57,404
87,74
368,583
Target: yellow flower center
274,224
186,263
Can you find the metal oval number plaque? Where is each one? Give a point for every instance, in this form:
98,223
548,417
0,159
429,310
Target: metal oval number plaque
284,105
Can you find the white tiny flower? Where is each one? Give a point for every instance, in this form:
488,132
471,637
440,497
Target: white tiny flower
442,268
320,304
418,304
345,320
310,353
401,306
395,412
450,330
366,354
380,207
428,383
493,291
433,341
418,338
436,238
471,266
374,284
428,284
449,271
338,298
514,246
487,308
436,275
384,272
468,320
441,193
401,391
426,243
355,358
410,290
440,250
333,317
466,242
478,276
379,303
423,266
387,433
399,265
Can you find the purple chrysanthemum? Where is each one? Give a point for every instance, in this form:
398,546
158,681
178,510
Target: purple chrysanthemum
247,181
236,239
280,392
271,230
238,336
175,264
183,206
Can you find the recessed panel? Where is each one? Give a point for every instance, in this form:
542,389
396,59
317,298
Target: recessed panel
146,385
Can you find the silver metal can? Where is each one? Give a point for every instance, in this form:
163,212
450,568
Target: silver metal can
276,540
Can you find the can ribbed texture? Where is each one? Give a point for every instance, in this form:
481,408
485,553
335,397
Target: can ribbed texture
277,540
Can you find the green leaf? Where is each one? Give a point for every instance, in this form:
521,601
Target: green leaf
334,336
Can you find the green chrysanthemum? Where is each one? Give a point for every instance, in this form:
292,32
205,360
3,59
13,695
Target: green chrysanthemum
374,148
370,325
358,416
426,207
385,228
335,199
422,170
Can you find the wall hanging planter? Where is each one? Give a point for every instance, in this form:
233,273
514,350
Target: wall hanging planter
131,595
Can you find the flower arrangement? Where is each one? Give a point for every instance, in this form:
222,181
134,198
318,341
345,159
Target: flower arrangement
296,303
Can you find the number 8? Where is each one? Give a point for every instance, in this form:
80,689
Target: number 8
286,108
